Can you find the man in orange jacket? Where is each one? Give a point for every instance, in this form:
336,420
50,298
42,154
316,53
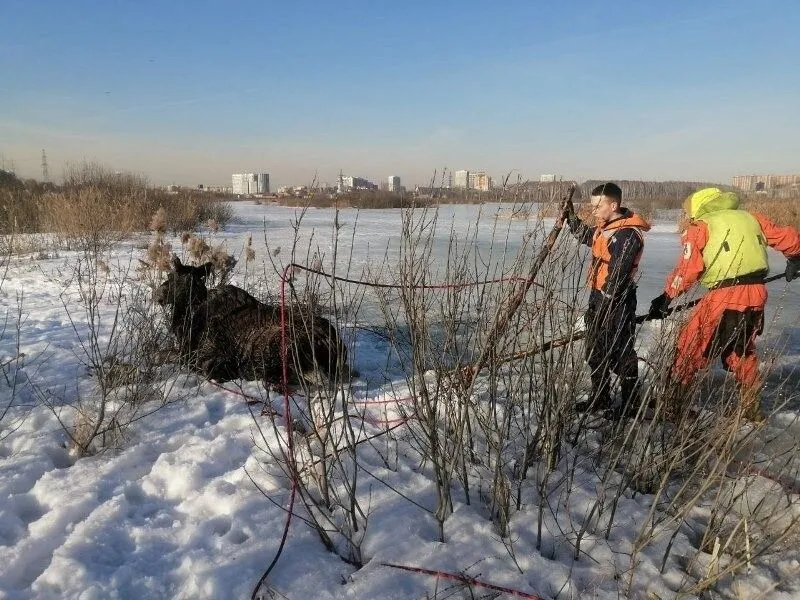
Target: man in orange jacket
725,249
617,242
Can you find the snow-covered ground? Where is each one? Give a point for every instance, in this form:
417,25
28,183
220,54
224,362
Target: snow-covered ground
174,511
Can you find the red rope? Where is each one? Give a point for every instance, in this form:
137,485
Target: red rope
379,422
285,276
788,486
267,410
396,286
792,486
465,579
288,424
375,401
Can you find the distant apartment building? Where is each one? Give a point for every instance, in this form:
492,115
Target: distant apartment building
472,180
393,182
758,183
263,183
240,183
480,181
349,183
547,178
250,184
461,180
219,189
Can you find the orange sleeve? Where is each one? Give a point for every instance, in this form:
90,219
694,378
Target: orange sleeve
783,239
690,265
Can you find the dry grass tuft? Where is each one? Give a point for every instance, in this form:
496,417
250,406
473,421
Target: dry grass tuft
781,211
249,252
197,247
159,221
222,261
159,253
96,207
199,251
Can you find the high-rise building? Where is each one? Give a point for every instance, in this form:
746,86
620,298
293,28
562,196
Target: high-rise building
547,178
263,183
394,183
461,179
249,184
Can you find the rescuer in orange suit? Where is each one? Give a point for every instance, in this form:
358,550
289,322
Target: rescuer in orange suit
725,249
617,242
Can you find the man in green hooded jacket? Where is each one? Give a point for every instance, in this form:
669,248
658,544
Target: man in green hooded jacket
725,249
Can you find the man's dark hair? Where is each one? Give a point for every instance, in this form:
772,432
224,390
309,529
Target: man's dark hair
610,190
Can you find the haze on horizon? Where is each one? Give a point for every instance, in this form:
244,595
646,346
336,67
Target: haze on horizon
189,92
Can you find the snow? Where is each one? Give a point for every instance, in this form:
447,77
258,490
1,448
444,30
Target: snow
175,512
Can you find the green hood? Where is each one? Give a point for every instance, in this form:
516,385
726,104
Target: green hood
710,200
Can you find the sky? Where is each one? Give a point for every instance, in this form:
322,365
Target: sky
190,92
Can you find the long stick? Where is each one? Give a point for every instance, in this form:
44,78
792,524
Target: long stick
465,579
579,335
502,319
643,318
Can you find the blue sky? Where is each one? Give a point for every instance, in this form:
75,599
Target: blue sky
189,92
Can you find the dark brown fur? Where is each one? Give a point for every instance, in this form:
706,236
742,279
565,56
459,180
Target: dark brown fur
226,334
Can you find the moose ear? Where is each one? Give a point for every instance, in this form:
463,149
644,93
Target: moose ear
176,262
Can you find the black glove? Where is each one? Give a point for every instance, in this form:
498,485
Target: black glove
659,307
792,268
567,210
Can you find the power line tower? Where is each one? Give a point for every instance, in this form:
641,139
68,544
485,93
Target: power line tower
45,174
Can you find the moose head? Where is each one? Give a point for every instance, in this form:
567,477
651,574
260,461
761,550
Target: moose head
185,285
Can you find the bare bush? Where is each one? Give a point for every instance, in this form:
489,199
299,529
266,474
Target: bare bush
12,361
95,207
121,347
317,451
517,436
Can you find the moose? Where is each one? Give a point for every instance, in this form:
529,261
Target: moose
225,333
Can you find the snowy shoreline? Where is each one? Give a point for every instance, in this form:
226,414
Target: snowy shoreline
174,513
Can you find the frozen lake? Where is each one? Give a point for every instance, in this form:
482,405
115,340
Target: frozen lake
371,239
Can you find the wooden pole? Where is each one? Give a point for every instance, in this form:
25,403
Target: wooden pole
502,318
579,335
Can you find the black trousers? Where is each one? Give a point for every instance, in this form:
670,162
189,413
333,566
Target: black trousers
735,334
611,329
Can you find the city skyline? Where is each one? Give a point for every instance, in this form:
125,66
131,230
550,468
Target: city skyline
180,93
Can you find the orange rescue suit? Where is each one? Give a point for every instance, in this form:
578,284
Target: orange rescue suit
699,332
